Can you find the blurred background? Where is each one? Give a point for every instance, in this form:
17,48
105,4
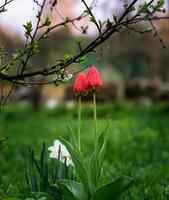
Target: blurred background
135,71
133,66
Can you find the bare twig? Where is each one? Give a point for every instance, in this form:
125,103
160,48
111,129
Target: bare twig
64,23
109,30
92,16
156,34
4,100
29,54
5,3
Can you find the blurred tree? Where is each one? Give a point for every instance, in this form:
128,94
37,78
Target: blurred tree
19,68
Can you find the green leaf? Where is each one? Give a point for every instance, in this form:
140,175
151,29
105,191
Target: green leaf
86,11
3,10
98,155
101,23
121,29
82,60
38,15
66,193
28,27
114,18
84,29
43,168
114,189
148,30
47,22
54,190
79,165
93,19
31,177
160,3
142,8
67,20
73,137
67,57
41,196
103,137
33,46
102,145
93,166
73,188
79,41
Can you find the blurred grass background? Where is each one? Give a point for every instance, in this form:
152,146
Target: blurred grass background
137,146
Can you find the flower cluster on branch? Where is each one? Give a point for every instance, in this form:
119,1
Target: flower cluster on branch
133,13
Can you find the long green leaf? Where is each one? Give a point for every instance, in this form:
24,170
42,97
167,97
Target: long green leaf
79,165
44,168
103,136
73,136
102,145
98,155
114,189
74,187
93,168
66,193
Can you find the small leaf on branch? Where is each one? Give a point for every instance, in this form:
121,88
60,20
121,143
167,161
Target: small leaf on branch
148,30
86,11
93,19
28,27
67,57
84,29
102,23
38,15
47,22
82,60
33,46
3,10
143,8
114,18
121,29
131,9
79,41
67,19
158,7
161,3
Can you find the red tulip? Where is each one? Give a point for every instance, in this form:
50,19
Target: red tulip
80,85
93,79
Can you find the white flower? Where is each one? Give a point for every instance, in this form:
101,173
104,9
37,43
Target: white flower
69,76
63,76
58,149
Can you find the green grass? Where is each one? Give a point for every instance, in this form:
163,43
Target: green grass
138,142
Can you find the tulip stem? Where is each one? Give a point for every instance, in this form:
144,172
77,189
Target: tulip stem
79,121
95,119
95,138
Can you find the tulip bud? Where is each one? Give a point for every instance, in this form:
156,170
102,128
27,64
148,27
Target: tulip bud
80,85
93,79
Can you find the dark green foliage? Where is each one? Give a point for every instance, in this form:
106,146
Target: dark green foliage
137,146
71,190
2,142
42,175
114,189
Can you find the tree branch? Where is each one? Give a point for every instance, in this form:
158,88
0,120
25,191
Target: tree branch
5,3
109,29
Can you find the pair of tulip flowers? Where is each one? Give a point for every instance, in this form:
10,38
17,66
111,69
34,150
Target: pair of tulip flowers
90,82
